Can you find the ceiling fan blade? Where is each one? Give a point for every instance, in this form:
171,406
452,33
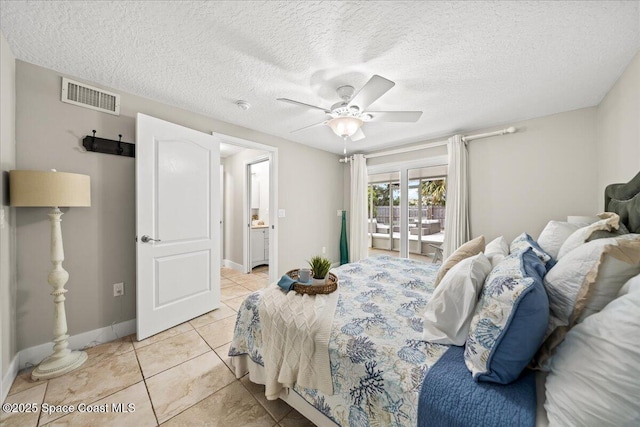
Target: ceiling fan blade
394,116
372,90
358,135
310,126
291,101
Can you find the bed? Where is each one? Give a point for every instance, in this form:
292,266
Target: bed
378,359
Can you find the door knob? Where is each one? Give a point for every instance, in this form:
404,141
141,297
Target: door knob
147,239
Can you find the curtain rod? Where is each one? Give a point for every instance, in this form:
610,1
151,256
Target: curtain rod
433,144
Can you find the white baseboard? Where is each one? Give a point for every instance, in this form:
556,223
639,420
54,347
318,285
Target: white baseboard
9,377
233,265
34,355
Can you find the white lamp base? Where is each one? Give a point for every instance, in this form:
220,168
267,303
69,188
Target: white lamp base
62,360
52,367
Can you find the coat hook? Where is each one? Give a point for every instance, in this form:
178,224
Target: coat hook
109,146
94,146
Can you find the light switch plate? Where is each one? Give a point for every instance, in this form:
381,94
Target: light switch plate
281,213
339,213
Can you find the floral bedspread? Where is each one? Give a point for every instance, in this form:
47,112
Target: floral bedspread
378,360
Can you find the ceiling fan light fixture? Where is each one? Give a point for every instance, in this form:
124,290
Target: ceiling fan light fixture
345,126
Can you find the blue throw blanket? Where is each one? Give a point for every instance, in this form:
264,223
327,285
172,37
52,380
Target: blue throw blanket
450,397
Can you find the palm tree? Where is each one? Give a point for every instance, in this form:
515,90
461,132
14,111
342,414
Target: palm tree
434,193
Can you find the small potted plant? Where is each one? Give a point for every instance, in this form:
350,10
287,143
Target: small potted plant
319,269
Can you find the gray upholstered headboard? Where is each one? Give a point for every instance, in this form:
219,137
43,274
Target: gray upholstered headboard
624,199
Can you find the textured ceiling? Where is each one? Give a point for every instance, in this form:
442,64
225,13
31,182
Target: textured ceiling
467,65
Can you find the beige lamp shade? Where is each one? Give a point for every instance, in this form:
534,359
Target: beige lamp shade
48,189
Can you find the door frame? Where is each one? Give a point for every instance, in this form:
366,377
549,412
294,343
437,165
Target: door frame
272,156
246,209
221,213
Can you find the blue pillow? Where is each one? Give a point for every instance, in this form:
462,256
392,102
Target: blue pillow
525,241
510,320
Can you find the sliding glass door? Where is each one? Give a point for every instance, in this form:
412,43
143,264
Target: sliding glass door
427,198
384,213
406,212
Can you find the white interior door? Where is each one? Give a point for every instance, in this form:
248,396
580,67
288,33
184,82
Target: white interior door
177,224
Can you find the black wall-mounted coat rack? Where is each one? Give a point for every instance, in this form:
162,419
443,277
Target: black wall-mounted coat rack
109,146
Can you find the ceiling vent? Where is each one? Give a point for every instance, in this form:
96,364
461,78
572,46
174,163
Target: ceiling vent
83,95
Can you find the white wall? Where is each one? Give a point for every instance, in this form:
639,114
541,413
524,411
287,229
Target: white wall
618,131
547,170
100,240
8,289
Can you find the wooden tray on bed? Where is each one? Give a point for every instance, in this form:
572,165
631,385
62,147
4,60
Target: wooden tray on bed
330,286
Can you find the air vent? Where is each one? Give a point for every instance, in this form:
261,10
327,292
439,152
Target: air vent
83,95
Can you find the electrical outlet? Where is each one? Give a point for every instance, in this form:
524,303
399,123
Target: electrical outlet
324,249
118,289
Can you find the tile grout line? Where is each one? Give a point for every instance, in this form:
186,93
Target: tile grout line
217,355
135,351
44,396
206,397
171,367
214,321
163,339
191,358
254,396
146,387
113,356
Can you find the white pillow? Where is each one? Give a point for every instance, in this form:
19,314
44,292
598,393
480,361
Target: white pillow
555,234
613,274
496,250
595,375
449,311
608,221
584,282
591,274
632,285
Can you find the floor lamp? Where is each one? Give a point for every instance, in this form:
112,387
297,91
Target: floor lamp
53,189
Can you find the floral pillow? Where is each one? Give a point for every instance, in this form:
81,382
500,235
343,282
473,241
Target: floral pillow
525,241
510,320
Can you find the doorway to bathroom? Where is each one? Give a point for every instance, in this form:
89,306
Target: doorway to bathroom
249,219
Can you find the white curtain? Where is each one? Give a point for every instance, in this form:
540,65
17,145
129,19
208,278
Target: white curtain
358,236
456,221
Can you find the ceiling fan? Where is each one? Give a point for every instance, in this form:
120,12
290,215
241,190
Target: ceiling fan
347,116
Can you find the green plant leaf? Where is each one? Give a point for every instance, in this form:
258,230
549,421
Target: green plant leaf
319,266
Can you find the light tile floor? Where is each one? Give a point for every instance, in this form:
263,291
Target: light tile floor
179,377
